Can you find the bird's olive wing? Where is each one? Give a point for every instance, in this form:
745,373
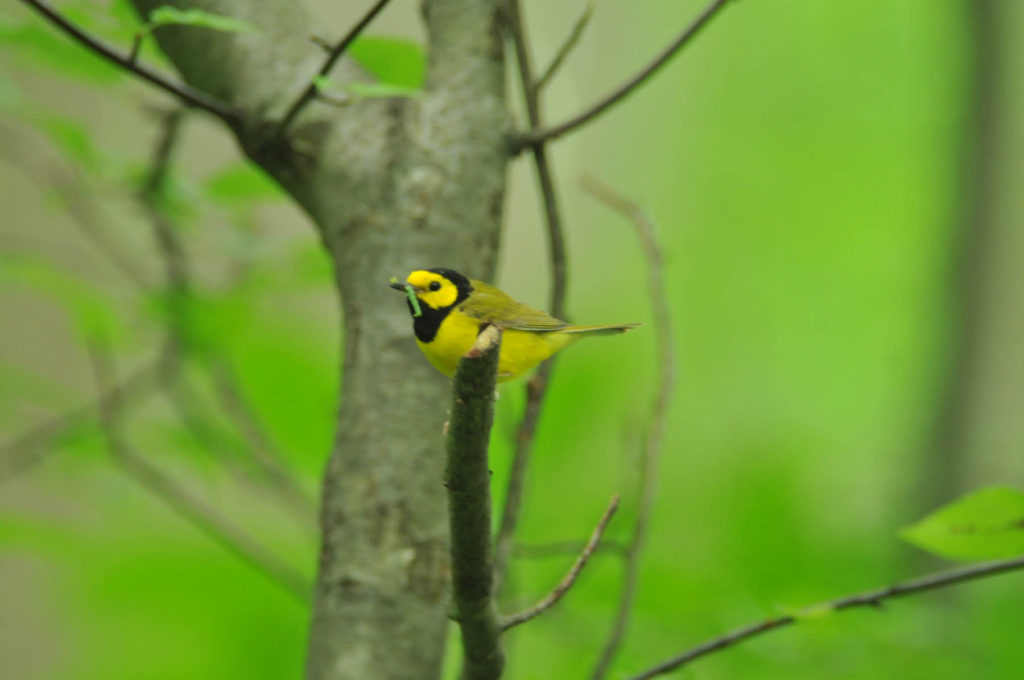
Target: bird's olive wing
487,303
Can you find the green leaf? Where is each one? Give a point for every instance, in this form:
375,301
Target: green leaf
241,183
365,90
986,524
172,16
391,60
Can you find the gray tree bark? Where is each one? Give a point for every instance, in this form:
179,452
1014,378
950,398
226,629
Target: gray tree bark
392,185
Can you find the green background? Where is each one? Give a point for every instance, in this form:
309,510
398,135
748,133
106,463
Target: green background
805,164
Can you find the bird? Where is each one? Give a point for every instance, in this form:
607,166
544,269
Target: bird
449,310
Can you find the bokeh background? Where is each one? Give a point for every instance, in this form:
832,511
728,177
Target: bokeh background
838,188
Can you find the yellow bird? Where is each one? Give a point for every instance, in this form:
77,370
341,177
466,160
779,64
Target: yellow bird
449,311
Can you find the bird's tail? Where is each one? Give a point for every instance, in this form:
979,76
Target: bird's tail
608,329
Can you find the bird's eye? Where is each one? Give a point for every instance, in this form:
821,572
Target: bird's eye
435,285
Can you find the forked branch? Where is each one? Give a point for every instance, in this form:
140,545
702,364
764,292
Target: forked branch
871,598
570,578
540,135
187,94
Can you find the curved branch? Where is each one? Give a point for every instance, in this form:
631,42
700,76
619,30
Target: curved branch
187,94
332,57
539,136
566,583
537,387
871,598
656,426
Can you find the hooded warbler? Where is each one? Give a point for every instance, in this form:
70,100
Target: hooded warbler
449,311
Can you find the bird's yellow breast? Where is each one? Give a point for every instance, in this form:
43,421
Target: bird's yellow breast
520,350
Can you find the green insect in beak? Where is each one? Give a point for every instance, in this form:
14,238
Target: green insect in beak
410,293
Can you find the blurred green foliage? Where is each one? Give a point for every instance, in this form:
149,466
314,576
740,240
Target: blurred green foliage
801,161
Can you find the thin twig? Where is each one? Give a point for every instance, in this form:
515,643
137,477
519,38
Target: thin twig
656,426
182,91
332,57
567,47
179,499
537,386
178,285
541,551
570,578
31,447
871,598
260,447
468,480
538,135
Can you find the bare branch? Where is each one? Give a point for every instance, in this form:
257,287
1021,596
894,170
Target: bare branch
656,426
537,386
30,448
468,479
332,57
540,551
177,282
544,176
191,508
184,92
567,47
570,578
539,135
871,598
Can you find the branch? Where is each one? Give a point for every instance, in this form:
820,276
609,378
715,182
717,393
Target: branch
871,598
566,48
28,449
570,578
178,285
538,136
468,480
540,551
537,386
332,57
187,94
656,427
192,508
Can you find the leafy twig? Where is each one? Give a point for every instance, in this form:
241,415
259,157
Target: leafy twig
538,136
570,578
871,598
468,479
332,57
656,426
184,92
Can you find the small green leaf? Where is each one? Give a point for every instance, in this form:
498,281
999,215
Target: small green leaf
391,60
986,524
241,183
172,16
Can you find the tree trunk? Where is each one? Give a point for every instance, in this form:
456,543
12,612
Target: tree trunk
392,185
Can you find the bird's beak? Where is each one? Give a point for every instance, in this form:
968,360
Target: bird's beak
396,284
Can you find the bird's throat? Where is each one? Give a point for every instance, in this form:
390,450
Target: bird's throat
426,324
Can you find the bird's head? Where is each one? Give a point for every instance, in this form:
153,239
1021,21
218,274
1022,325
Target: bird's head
434,289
